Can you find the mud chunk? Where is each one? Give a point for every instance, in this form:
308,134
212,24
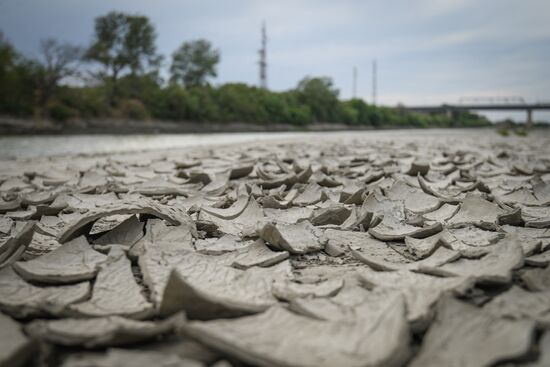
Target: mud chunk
16,347
74,261
279,337
458,331
208,290
478,211
115,292
101,331
21,299
297,238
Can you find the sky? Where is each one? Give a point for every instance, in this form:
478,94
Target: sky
427,51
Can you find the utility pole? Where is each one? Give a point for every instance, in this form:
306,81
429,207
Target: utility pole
374,82
263,61
354,92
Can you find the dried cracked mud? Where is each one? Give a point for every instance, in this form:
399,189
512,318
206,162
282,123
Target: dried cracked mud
427,250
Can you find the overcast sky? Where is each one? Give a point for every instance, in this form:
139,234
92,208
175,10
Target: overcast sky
428,51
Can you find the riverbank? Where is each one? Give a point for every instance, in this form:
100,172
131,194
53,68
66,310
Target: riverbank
10,126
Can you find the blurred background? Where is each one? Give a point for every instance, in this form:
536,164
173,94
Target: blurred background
120,67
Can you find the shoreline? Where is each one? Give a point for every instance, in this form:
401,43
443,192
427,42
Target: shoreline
10,126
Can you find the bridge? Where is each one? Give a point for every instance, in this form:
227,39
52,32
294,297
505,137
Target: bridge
486,104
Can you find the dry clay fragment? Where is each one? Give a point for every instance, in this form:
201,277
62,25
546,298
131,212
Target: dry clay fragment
279,337
229,213
312,194
245,222
168,237
174,216
477,211
40,245
517,303
359,219
544,352
536,279
184,347
344,306
9,206
287,290
14,247
514,218
123,357
470,241
421,291
106,224
395,231
21,299
463,335
101,331
74,261
297,238
126,233
541,259
494,268
338,242
115,292
217,246
415,200
379,256
442,214
257,254
288,216
5,225
218,185
334,214
207,290
15,346
424,247
418,167
288,179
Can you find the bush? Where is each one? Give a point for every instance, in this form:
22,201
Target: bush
520,132
503,131
299,115
59,112
131,109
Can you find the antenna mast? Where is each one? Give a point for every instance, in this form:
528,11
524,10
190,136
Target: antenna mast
263,61
354,82
374,82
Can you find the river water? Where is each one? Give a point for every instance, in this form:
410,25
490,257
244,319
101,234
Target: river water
35,146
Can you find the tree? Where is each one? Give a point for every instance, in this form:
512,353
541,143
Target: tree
57,62
17,81
123,43
193,63
321,97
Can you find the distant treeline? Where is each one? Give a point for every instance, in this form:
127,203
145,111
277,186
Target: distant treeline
117,76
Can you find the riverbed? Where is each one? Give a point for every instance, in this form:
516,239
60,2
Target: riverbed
54,145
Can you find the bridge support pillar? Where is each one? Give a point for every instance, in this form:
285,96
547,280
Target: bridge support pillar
529,119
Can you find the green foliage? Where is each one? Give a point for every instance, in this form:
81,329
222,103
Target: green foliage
193,63
129,87
58,61
520,132
61,112
322,98
131,109
123,43
503,131
17,81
